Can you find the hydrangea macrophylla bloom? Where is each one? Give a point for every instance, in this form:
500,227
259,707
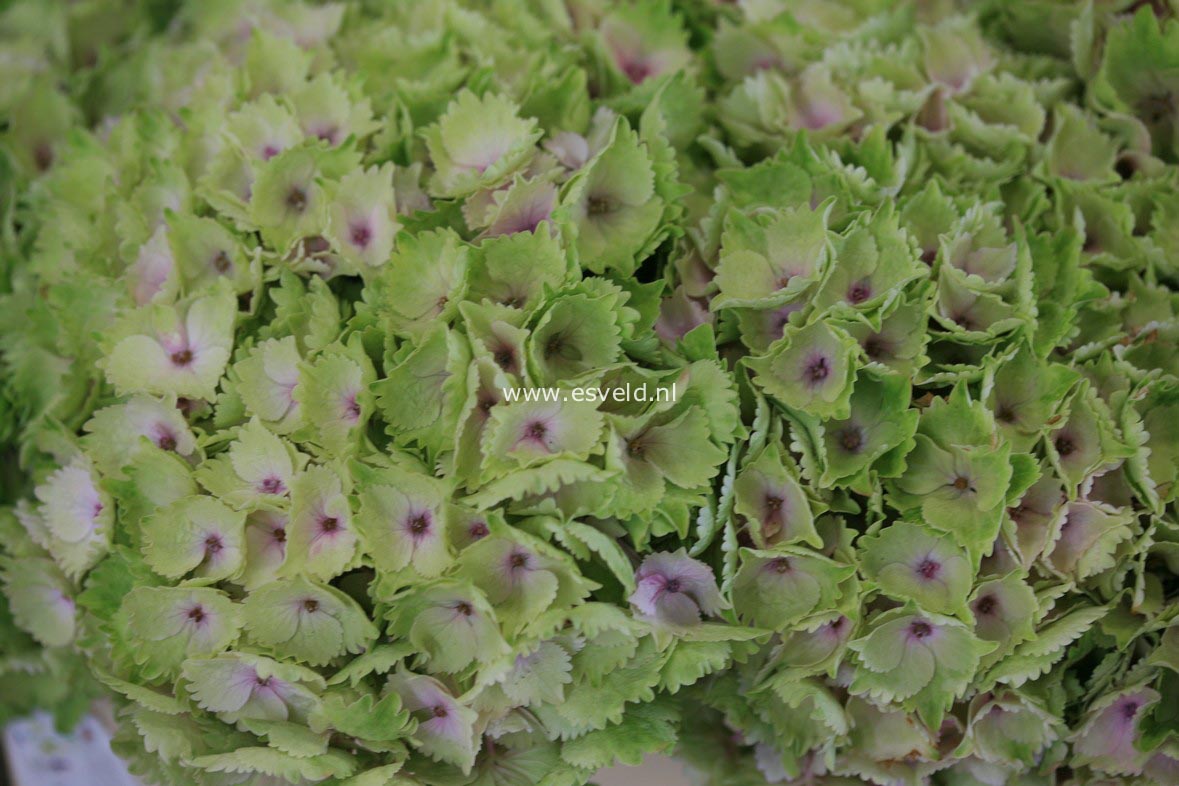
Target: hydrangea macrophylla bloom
617,206
674,589
910,563
116,433
875,261
180,350
195,536
771,259
773,503
320,539
363,217
923,661
267,378
520,579
406,523
240,685
266,547
644,42
1135,77
1004,611
524,207
74,520
1087,533
1011,729
334,399
453,625
575,336
313,623
40,599
776,589
878,423
153,276
526,433
278,276
174,623
810,369
1105,741
446,728
257,470
477,143
957,475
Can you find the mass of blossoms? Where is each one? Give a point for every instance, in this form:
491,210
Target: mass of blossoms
911,268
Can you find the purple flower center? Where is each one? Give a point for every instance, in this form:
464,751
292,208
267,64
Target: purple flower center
329,524
859,292
213,545
269,152
986,605
182,357
1064,445
928,568
851,439
279,534
817,370
361,235
297,199
518,560
477,530
536,430
673,585
221,262
439,711
637,70
780,565
920,629
1005,413
464,608
1129,710
272,485
774,503
875,347
166,440
196,614
352,408
419,523
262,682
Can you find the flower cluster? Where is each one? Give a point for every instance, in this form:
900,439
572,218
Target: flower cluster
910,517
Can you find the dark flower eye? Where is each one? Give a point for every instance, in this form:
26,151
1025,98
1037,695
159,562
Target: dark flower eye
439,711
851,438
987,604
673,585
817,369
329,524
182,357
311,605
419,524
859,292
272,485
361,235
920,629
196,614
1064,445
297,199
212,545
928,568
